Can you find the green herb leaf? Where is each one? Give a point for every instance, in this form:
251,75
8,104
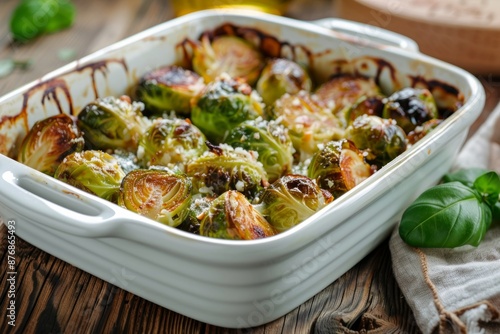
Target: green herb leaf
488,185
446,216
32,18
465,176
496,212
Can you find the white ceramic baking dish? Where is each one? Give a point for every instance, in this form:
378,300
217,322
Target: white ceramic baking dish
226,283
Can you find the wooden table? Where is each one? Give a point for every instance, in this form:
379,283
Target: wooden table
55,297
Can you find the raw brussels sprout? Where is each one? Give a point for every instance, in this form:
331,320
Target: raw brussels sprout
227,54
158,194
224,104
281,76
365,105
309,122
232,216
270,140
410,107
292,199
343,90
169,88
112,123
95,172
171,141
420,131
381,139
338,167
49,141
224,168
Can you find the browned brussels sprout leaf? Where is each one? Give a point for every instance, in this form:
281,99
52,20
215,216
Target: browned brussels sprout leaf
49,141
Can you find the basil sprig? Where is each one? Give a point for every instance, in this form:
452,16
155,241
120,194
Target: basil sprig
457,212
32,18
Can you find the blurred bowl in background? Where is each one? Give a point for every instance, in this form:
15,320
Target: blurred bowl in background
465,33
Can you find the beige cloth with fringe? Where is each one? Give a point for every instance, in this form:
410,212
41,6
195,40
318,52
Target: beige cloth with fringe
456,290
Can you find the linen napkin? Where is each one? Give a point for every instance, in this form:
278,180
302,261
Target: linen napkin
455,290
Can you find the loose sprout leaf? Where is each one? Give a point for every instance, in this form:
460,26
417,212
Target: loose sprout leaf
446,216
6,67
488,185
66,54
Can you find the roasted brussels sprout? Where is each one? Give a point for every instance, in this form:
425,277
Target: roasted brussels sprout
224,104
422,130
224,168
270,140
309,122
49,141
291,199
158,194
381,139
169,88
232,216
365,105
227,54
343,90
410,107
197,211
95,172
338,167
281,76
112,123
171,142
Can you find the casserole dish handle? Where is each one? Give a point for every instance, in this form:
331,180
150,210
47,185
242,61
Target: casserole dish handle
366,31
43,200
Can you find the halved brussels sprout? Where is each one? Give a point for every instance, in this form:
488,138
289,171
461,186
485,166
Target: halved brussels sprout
422,130
343,90
410,107
171,142
197,211
381,139
232,216
292,199
158,194
227,54
224,168
224,104
338,167
281,76
270,140
49,141
169,88
365,105
95,172
309,122
112,123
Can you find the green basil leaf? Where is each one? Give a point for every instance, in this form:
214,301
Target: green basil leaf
489,186
446,216
465,176
495,211
31,18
